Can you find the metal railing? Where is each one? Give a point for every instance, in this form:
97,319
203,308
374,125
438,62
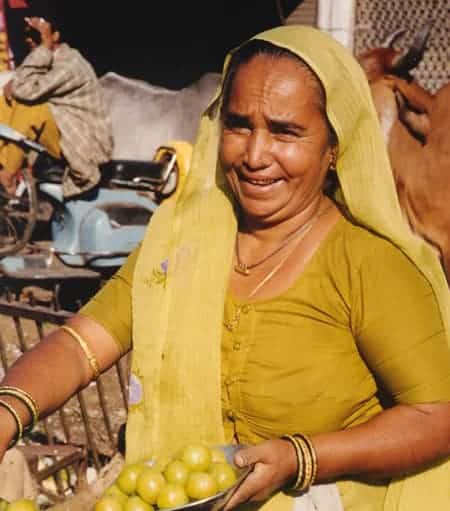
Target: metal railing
84,431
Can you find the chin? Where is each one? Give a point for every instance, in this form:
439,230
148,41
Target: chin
262,213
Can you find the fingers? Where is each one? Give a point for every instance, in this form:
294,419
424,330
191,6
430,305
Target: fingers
247,456
255,487
37,23
274,463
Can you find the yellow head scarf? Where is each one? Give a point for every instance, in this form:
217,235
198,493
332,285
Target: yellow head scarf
182,273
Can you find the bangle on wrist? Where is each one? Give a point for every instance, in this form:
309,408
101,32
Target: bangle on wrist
306,461
17,420
311,457
26,399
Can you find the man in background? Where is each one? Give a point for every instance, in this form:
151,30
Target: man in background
55,98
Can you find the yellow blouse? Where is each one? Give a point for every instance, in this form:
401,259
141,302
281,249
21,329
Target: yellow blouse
358,330
309,360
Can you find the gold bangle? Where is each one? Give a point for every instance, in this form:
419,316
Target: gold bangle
300,462
310,457
27,400
313,457
308,465
87,351
19,431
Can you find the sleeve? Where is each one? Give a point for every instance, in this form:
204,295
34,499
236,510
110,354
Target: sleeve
111,306
37,76
400,334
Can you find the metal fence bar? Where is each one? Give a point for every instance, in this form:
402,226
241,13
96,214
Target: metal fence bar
40,315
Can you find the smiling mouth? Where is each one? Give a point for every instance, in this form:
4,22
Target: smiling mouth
260,182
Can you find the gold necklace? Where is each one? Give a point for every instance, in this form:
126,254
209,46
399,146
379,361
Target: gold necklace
234,321
244,269
285,258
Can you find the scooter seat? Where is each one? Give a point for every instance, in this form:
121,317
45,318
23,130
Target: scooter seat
49,169
130,170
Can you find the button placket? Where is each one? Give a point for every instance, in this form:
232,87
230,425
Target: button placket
237,326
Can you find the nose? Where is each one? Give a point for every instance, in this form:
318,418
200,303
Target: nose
257,154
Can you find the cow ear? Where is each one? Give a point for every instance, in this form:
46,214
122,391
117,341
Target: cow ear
417,123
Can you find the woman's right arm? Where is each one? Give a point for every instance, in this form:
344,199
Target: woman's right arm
58,367
54,370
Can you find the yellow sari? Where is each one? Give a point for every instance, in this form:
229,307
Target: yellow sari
181,275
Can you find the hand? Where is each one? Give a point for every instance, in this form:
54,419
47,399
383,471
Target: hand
7,91
44,28
275,465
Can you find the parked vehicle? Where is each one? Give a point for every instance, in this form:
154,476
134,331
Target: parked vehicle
95,231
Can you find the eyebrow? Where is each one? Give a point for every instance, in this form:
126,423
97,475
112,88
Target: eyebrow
235,118
276,124
287,125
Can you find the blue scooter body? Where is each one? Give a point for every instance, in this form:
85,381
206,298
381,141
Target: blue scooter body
99,229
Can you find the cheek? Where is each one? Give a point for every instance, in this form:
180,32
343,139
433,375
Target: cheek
231,149
303,160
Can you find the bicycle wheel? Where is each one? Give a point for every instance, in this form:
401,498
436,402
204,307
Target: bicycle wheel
17,214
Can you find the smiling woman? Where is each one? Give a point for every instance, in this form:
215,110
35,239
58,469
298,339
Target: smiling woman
276,149
313,329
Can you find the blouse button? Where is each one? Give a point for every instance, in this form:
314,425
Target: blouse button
246,309
231,415
237,346
228,381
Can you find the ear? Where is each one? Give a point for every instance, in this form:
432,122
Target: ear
417,123
333,157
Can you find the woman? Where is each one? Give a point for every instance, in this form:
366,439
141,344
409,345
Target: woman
336,318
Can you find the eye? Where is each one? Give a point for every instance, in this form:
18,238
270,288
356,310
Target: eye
236,124
284,132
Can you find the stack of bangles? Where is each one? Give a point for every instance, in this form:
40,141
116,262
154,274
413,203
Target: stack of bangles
30,404
306,462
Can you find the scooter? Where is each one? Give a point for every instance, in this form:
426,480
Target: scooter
93,232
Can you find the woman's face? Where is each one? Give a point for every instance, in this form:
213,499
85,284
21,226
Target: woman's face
275,140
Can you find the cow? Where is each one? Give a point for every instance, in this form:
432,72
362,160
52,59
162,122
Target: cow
145,116
416,127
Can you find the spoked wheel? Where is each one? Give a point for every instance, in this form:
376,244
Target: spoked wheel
17,214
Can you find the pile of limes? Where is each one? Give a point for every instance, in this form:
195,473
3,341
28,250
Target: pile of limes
196,473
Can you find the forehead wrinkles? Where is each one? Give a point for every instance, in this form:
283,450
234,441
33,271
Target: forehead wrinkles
273,84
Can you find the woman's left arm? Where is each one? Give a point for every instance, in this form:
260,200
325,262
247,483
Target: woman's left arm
400,440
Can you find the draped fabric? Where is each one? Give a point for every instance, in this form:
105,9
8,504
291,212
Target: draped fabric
183,268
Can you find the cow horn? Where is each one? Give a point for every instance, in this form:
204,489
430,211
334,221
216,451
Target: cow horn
415,53
391,38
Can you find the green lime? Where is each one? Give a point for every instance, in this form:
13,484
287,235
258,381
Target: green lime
196,456
224,474
127,479
201,485
22,505
137,504
108,503
218,456
177,472
114,491
149,484
172,495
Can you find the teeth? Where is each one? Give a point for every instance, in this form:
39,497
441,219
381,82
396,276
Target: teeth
261,182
